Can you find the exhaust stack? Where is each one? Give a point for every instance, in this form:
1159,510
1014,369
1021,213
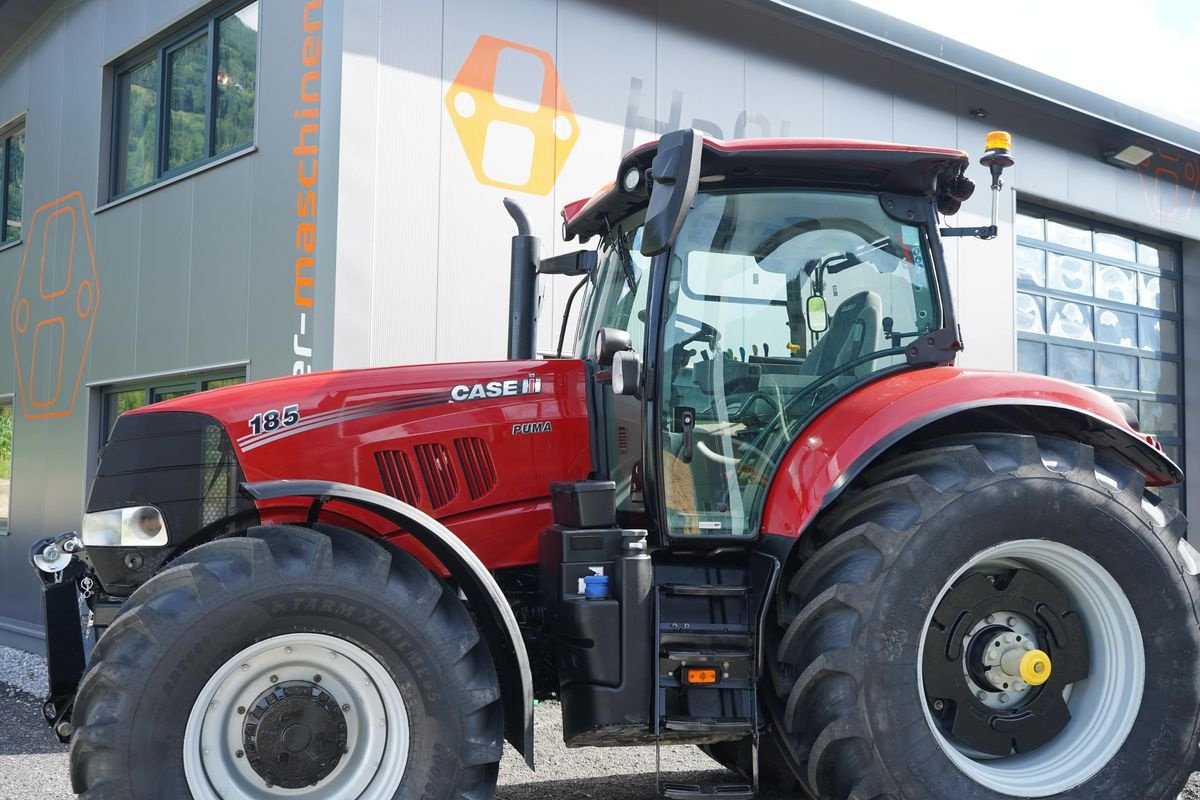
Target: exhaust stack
523,287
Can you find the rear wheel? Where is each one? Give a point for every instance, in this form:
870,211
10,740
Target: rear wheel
992,616
289,663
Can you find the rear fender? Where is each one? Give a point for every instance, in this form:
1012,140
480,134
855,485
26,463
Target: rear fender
497,624
898,410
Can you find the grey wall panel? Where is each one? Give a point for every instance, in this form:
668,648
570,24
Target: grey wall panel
163,304
14,86
115,336
124,24
783,98
217,294
79,151
361,124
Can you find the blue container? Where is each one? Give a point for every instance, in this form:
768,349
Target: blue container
595,587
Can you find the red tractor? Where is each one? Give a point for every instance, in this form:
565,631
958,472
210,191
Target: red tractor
762,513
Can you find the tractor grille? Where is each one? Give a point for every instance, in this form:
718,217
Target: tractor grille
433,461
477,467
396,470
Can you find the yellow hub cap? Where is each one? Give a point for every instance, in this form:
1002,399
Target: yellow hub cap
1035,667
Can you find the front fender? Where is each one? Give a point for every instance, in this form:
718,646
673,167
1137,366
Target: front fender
497,624
844,439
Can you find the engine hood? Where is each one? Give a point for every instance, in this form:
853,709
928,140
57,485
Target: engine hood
451,439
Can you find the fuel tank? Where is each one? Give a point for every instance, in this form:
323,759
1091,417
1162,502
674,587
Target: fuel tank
474,444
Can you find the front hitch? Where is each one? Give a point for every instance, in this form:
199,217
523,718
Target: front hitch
59,564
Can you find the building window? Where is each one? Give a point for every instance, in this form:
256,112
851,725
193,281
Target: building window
1100,306
186,100
119,399
12,179
6,437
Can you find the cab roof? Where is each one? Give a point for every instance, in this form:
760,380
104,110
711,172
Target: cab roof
848,164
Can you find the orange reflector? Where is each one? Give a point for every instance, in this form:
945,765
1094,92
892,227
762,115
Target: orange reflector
998,140
694,676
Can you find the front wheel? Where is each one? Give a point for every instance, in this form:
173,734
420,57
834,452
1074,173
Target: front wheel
992,616
289,663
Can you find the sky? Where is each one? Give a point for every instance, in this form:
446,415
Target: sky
1145,53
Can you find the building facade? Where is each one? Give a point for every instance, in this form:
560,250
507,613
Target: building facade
197,194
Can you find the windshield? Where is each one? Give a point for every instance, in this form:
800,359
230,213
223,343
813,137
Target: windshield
777,301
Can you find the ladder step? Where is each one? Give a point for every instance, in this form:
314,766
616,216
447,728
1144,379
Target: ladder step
706,639
704,590
708,724
733,791
706,656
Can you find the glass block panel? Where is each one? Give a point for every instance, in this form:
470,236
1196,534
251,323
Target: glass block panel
1072,320
1031,266
1115,371
1070,363
1115,245
1161,419
1158,335
1031,313
1116,327
1158,293
1069,235
1031,357
1173,452
1069,274
1033,227
1160,377
1156,255
1116,284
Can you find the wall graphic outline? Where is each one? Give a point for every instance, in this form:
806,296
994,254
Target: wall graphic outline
60,317
478,114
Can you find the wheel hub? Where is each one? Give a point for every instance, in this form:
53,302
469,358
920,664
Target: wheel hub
294,734
990,633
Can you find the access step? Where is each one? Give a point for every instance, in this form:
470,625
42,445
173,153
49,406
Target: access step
716,725
704,590
733,791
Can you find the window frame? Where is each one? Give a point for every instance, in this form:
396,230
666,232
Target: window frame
161,48
7,134
197,382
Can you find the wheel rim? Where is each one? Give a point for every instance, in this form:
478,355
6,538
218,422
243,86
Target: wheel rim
279,696
1103,706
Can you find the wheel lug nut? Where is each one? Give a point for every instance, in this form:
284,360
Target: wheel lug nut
991,617
346,707
981,695
1003,698
287,650
1012,622
239,754
938,705
316,678
245,667
241,709
274,679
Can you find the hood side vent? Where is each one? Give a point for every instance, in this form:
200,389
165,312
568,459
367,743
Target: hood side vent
477,467
438,474
398,479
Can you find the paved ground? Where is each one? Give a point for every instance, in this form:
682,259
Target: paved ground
33,765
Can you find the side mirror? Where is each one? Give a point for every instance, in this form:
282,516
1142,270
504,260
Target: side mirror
609,342
675,177
580,262
626,372
817,314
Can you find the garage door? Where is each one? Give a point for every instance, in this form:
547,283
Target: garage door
1099,305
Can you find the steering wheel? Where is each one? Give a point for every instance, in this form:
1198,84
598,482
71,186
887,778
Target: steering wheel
704,331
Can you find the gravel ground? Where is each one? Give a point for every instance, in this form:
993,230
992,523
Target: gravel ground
33,765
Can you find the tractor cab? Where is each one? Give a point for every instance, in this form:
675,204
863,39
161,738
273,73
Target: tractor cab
737,290
740,289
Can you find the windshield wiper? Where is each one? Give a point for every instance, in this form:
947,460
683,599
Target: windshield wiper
617,240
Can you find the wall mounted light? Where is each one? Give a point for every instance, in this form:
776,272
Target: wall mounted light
1131,157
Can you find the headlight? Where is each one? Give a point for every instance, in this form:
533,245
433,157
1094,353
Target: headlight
138,526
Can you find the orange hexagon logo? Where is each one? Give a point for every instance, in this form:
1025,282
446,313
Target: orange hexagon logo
54,308
512,142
